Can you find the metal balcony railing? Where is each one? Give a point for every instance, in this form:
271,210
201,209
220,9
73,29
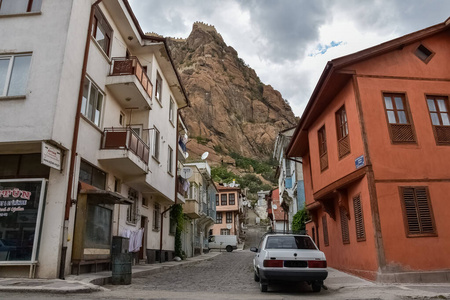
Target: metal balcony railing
125,138
131,66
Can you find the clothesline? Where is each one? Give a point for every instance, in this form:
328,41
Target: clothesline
135,238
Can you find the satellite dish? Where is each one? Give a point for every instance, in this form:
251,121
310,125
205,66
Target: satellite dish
228,226
186,172
187,155
205,155
274,206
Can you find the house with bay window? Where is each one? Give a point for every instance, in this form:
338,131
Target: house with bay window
88,137
374,140
227,210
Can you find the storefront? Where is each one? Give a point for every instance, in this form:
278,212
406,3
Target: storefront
21,212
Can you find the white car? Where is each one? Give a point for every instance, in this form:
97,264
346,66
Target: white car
289,257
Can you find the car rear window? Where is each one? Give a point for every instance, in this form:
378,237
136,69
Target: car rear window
289,242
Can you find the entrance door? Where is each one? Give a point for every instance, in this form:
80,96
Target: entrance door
142,254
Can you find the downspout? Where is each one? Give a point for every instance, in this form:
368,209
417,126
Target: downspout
73,153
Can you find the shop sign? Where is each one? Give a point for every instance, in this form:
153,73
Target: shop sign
51,156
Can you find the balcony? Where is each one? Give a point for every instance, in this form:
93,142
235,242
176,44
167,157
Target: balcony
191,209
129,83
124,151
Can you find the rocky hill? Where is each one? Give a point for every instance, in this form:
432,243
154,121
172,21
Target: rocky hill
231,109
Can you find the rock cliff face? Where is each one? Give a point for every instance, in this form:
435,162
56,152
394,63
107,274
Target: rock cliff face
231,109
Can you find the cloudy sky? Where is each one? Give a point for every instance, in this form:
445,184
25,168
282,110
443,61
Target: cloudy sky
288,42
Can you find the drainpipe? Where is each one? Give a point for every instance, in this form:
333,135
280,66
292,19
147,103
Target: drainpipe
73,153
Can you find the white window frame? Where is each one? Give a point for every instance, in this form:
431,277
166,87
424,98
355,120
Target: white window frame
156,143
86,101
6,84
170,160
171,110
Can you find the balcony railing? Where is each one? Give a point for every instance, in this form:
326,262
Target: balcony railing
125,138
131,66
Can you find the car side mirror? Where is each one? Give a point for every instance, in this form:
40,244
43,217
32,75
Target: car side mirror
254,249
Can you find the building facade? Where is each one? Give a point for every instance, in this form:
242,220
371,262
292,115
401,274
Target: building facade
374,140
227,211
93,153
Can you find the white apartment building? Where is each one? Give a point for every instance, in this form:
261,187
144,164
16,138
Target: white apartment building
88,137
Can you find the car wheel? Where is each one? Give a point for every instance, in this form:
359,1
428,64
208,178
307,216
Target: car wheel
316,286
263,287
229,248
256,277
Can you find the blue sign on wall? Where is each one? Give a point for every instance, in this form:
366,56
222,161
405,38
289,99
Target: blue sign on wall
359,162
288,182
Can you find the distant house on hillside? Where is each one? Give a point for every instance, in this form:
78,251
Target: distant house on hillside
375,141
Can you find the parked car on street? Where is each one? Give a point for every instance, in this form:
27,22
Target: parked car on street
289,257
227,242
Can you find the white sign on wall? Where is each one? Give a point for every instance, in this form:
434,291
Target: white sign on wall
51,156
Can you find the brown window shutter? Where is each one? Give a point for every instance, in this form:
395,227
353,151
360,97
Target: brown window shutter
359,219
417,208
325,231
344,226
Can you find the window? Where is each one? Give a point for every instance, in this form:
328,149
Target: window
223,199
229,217
101,31
225,231
171,110
359,219
156,138
91,105
231,199
14,74
193,191
170,160
132,208
10,7
219,218
417,212
158,88
144,201
439,113
23,166
122,119
91,175
424,53
342,132
217,200
156,217
323,148
288,168
325,231
400,125
344,226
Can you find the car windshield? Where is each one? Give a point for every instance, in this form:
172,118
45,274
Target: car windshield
289,242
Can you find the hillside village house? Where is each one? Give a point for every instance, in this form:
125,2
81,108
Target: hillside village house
277,212
199,208
375,141
290,177
88,137
227,210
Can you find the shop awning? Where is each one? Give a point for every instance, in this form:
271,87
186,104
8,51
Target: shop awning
101,196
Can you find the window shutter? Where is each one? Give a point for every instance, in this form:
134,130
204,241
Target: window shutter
359,219
417,211
344,226
325,231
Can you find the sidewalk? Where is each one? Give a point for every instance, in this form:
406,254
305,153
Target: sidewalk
90,282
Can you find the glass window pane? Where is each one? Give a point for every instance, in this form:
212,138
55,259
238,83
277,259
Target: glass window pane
442,106
431,105
85,97
402,117
398,102
391,117
13,7
435,119
98,109
19,76
92,104
4,65
445,120
388,102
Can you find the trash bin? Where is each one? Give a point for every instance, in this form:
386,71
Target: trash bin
120,261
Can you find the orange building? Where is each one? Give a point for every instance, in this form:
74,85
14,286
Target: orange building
276,212
375,145
227,211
